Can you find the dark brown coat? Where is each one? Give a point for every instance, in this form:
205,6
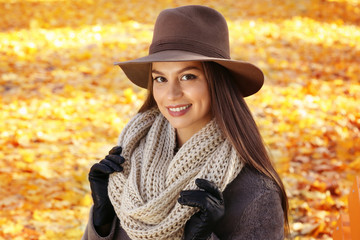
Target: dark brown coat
253,211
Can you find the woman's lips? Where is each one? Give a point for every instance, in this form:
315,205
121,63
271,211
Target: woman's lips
177,111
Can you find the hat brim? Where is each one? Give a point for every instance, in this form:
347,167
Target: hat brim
249,77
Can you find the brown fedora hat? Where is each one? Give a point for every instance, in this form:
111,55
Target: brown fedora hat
192,33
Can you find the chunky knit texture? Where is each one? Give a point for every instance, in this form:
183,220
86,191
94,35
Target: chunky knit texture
145,194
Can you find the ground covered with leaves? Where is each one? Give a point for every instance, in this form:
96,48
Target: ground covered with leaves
63,103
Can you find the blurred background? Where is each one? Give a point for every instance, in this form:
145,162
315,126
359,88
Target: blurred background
63,103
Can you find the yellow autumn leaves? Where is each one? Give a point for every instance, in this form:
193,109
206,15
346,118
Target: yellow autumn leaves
63,103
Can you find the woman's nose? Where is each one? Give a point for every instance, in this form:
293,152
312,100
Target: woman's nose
174,90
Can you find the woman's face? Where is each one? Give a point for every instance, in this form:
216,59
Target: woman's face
181,92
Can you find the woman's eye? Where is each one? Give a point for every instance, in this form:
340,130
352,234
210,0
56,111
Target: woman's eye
159,79
188,77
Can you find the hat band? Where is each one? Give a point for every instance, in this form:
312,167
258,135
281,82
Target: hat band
189,46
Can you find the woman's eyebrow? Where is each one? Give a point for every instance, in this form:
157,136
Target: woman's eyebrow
156,71
179,71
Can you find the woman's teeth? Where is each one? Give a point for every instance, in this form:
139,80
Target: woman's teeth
178,109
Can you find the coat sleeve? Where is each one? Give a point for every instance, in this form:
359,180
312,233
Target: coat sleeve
91,234
262,219
252,209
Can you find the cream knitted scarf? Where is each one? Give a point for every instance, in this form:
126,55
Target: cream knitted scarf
145,194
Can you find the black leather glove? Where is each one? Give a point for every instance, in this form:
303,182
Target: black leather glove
210,201
103,211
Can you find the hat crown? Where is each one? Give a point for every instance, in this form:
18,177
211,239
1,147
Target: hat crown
193,28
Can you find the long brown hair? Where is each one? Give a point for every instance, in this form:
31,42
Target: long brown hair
237,123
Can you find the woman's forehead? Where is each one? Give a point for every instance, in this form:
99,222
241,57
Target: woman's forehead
178,64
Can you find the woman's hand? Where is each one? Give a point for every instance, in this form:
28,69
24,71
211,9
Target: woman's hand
209,200
103,211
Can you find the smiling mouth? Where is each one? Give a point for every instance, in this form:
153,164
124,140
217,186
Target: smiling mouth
179,109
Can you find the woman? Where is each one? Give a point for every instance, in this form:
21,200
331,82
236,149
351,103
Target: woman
191,164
